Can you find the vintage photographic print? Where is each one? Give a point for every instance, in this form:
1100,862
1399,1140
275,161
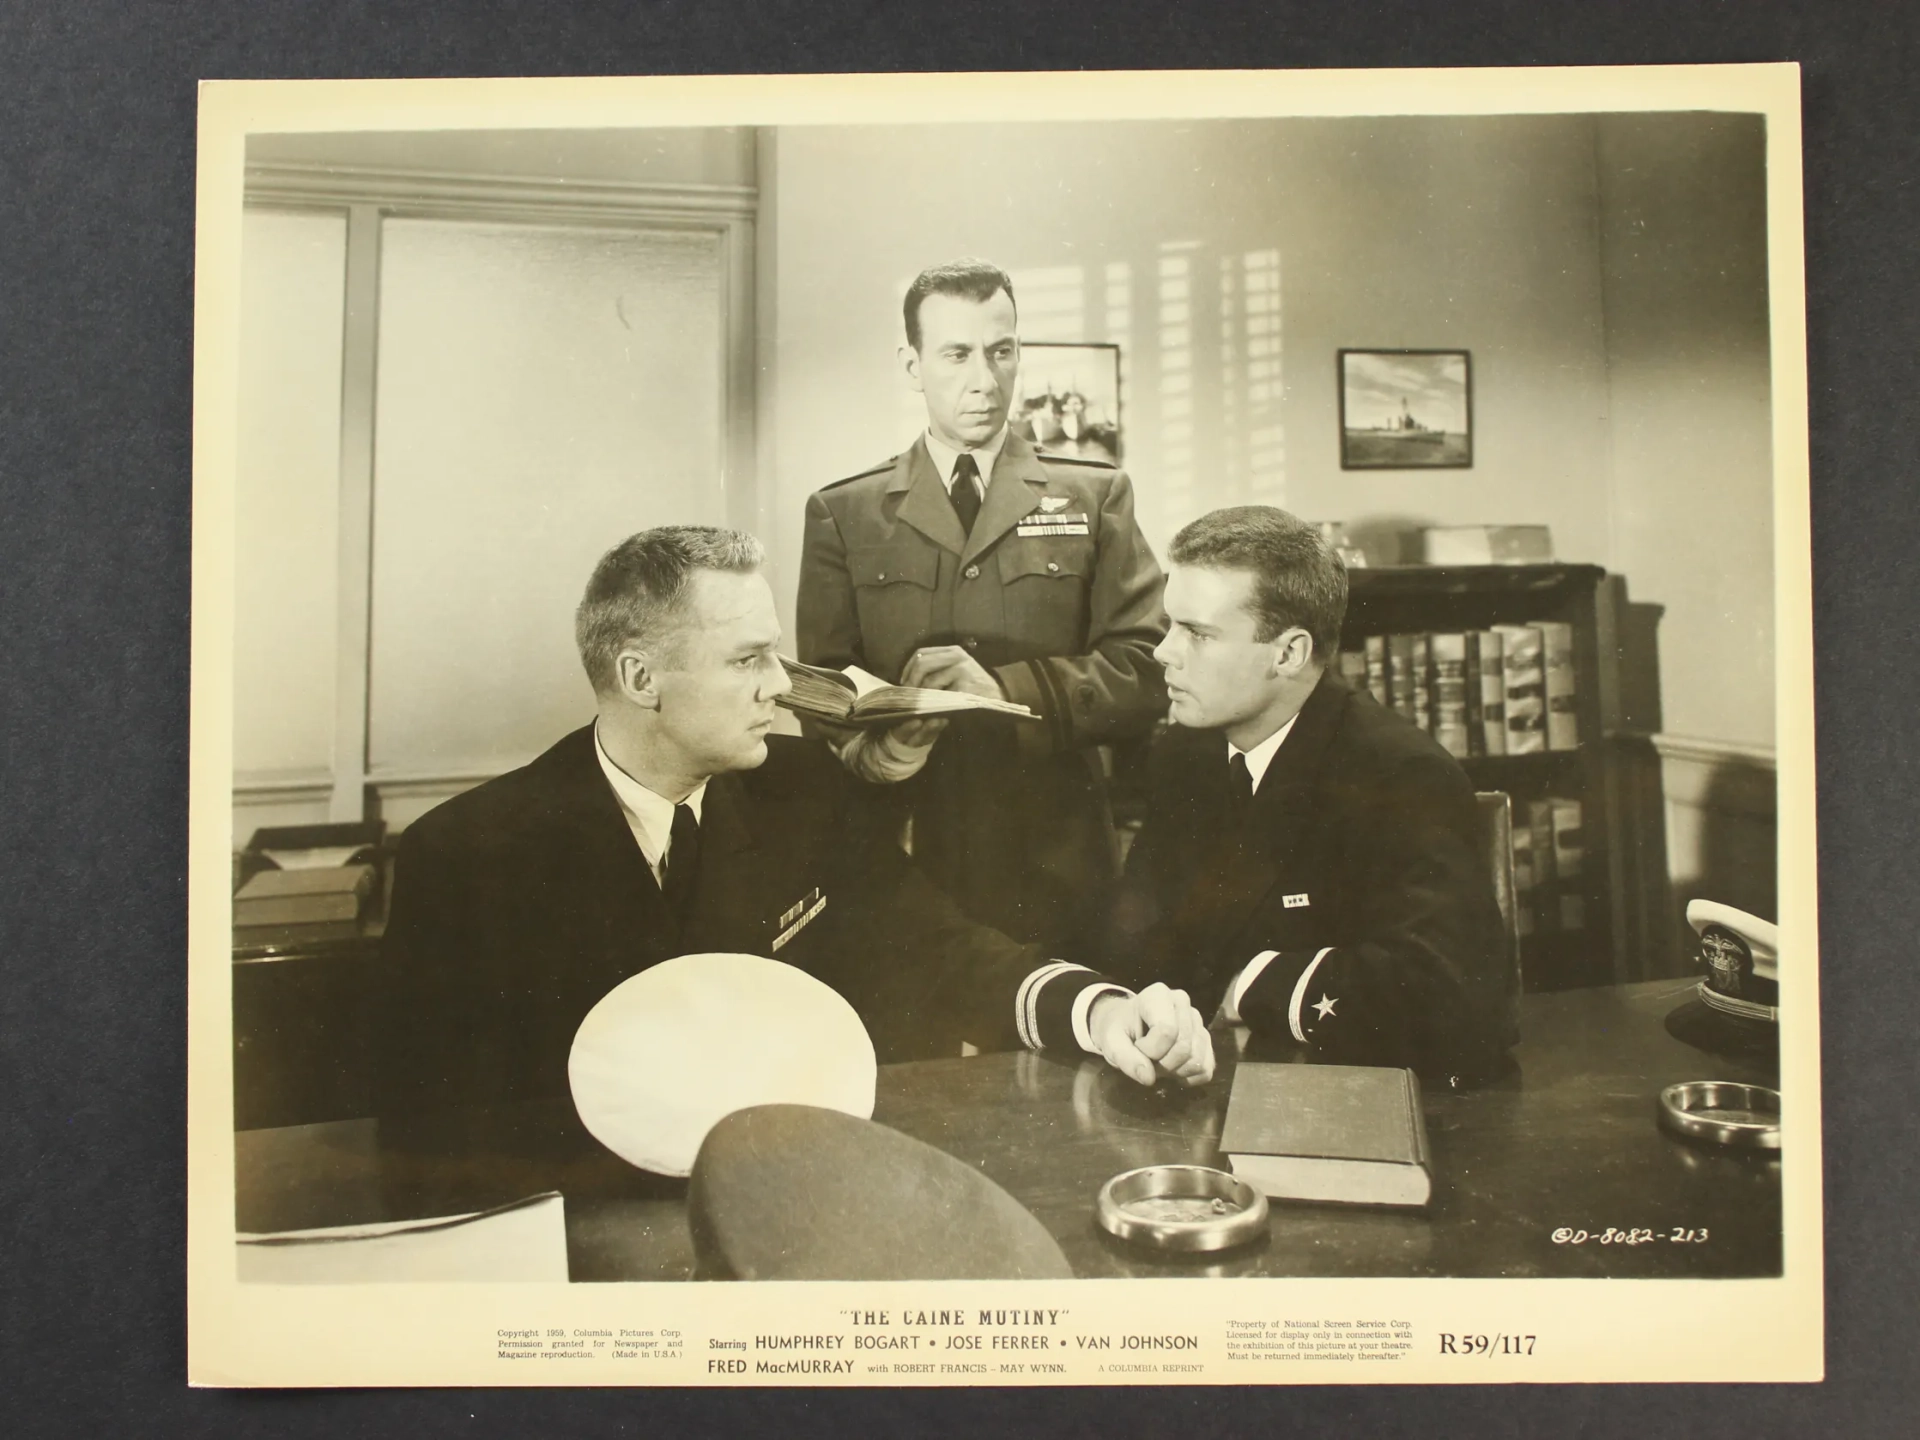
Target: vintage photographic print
796,783
1405,409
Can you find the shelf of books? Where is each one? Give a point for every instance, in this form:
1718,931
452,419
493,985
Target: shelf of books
1505,666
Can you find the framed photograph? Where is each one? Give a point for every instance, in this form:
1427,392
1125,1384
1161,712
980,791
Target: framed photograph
1406,410
1069,402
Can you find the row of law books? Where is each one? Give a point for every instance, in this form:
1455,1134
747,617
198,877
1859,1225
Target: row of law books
1548,855
1509,690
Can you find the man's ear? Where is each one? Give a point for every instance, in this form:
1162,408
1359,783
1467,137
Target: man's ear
633,675
1292,652
910,362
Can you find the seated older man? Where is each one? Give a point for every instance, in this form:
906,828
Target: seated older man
676,824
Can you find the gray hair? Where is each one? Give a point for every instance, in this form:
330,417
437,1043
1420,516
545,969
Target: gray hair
638,593
1298,579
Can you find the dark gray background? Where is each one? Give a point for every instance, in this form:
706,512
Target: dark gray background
96,254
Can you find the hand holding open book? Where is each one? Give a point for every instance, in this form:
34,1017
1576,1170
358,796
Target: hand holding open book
854,697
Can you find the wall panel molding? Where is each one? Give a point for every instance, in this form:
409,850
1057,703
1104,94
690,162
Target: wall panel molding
261,785
430,192
1722,830
1718,775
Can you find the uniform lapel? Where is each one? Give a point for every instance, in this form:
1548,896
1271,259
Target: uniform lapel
1282,808
1018,482
611,862
926,506
721,912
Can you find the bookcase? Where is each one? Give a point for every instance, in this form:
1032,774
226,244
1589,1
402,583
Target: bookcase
1425,599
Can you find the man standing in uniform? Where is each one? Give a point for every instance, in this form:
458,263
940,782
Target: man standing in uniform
971,562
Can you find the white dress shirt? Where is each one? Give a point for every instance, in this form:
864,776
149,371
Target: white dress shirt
1261,755
649,815
944,457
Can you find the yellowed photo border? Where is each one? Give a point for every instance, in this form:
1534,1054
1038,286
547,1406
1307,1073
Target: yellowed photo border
1587,1330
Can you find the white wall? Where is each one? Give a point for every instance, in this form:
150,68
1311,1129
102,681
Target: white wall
1480,234
1607,275
543,392
555,369
286,552
1684,260
1604,272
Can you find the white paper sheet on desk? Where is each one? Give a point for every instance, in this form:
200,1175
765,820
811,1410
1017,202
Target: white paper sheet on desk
526,1240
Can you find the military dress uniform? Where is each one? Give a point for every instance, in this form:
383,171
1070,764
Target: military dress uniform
1056,593
519,904
1341,901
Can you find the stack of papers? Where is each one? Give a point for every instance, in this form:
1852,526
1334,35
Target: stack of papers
526,1240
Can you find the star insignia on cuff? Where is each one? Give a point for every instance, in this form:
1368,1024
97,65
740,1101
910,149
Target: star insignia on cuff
1325,1006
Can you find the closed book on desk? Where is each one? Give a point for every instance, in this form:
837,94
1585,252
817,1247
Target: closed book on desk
1352,1134
303,897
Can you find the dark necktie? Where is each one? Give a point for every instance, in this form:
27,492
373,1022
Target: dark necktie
1240,780
683,859
965,491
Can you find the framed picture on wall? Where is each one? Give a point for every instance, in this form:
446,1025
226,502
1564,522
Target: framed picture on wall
1069,400
1406,410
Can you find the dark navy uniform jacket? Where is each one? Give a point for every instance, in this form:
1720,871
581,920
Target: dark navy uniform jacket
1358,861
519,904
1056,593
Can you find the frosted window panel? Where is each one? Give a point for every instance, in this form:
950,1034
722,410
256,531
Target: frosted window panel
286,505
542,393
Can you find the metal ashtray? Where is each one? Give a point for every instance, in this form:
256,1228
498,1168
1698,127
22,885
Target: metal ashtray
1181,1207
1723,1112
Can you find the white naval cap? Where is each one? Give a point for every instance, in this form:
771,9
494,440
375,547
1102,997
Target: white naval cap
670,1052
1741,952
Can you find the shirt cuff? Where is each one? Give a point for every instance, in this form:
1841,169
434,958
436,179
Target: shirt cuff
1243,982
1083,1012
880,758
1026,1003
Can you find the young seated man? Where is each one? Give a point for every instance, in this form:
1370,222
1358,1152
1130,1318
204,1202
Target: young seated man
676,824
1310,863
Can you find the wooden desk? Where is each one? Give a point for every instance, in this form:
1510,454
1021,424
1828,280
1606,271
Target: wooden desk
1569,1142
301,1047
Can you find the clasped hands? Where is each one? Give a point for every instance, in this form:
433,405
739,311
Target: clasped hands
1145,1036
1152,1034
